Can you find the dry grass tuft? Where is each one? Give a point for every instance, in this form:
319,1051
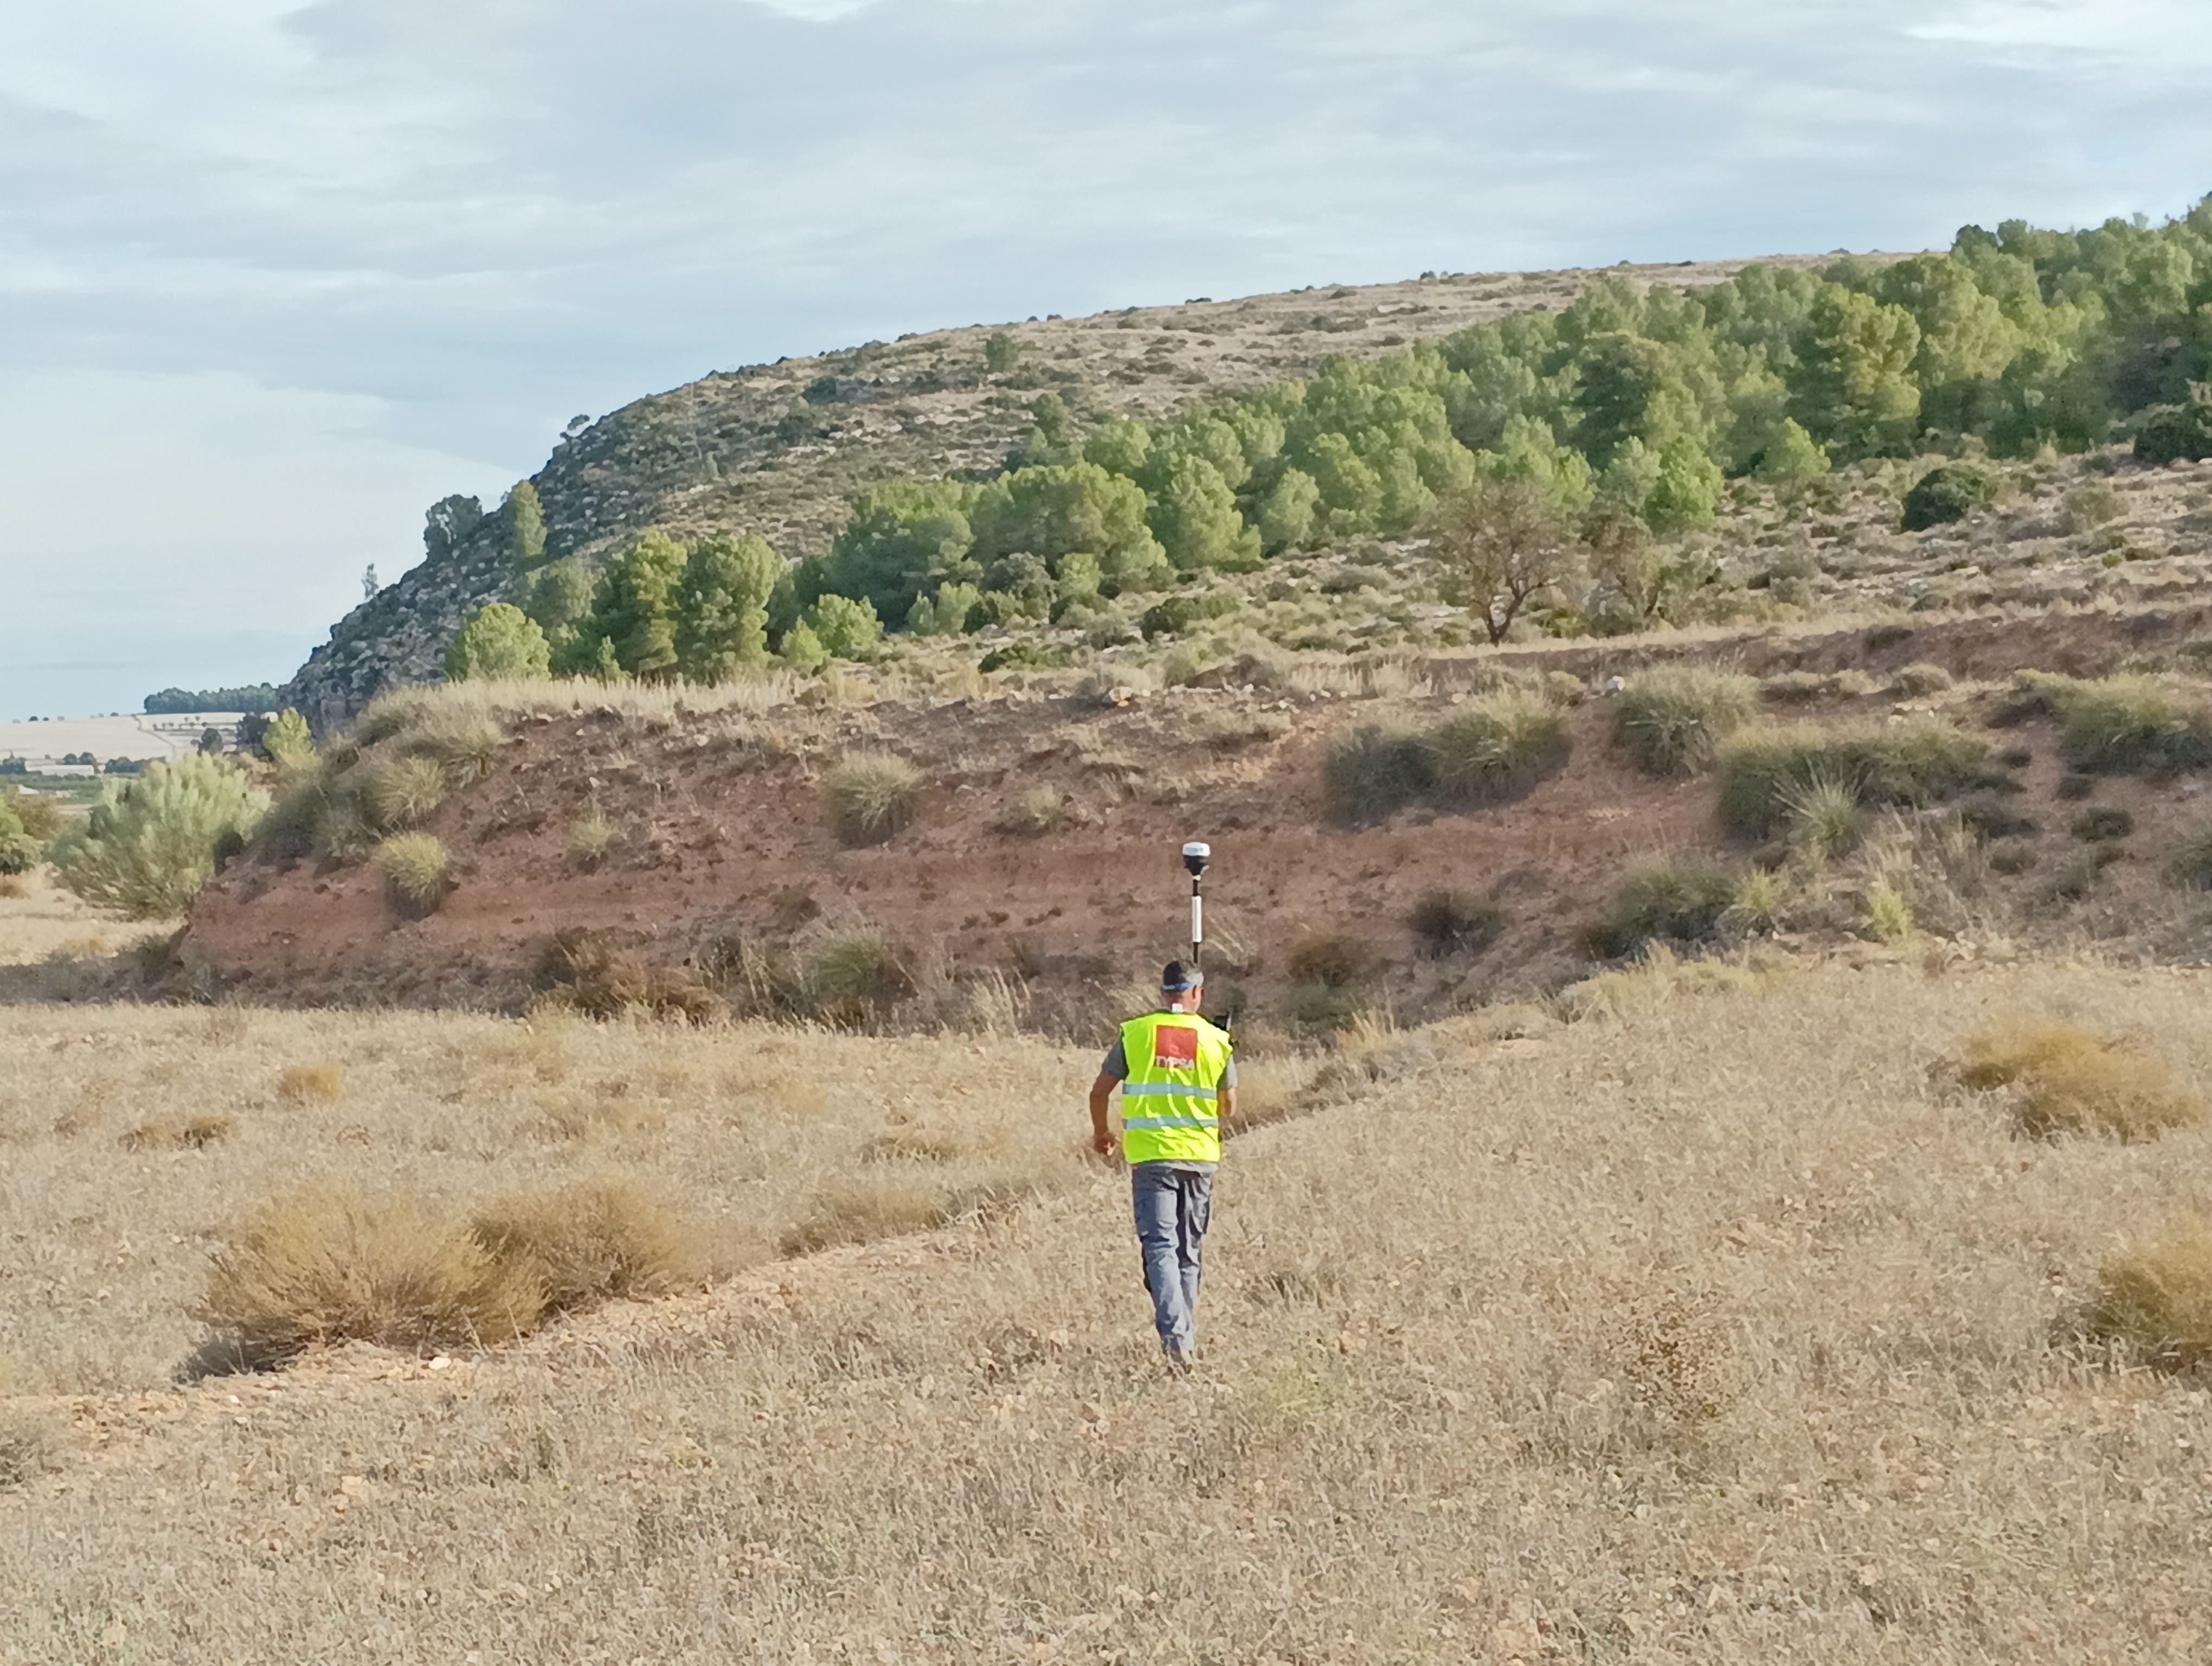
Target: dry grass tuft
590,840
415,870
1370,773
1338,959
591,1242
2157,1300
12,887
870,797
1498,744
403,791
1040,810
311,1084
893,1202
1450,922
180,1132
331,1266
1673,718
2066,1081
1671,898
589,976
26,1450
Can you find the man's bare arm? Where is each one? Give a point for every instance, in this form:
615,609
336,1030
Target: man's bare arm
1102,1134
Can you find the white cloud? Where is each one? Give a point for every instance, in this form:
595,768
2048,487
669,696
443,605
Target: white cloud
464,220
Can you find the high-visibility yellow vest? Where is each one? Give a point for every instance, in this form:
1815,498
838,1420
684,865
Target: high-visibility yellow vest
1176,1062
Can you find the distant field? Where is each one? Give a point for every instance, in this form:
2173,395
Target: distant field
43,745
1715,1333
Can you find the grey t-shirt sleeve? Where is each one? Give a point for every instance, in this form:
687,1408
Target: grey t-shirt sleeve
1117,1066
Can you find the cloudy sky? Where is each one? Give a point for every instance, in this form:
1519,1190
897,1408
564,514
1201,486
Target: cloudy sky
274,276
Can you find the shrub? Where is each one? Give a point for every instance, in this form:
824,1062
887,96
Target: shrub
331,1266
2066,1081
2157,1300
1041,810
1921,762
2089,506
1673,718
414,869
35,816
1334,959
593,978
148,845
1672,898
288,740
591,1242
1762,897
2127,725
1889,912
1371,773
2192,856
404,792
1450,922
1916,681
2102,823
26,1450
1947,494
179,1134
2170,434
19,852
853,976
304,1084
465,748
1497,744
870,797
1825,818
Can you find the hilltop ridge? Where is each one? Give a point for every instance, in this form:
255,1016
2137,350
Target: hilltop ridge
778,450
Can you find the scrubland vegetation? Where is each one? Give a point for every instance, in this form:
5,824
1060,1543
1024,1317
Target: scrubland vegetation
1736,1325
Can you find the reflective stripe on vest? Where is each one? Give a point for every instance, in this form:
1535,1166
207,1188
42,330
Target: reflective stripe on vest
1176,1062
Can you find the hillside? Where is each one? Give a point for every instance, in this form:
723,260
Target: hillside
779,450
1035,877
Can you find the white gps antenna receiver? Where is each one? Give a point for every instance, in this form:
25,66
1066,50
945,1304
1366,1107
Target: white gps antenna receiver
1195,856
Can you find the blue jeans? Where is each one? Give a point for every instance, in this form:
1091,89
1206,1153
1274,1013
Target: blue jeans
1173,1205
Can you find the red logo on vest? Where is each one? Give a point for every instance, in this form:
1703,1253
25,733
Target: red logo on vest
1175,1047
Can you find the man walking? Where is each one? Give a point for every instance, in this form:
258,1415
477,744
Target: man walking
1178,1078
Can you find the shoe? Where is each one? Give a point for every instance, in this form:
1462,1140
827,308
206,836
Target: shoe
1178,1358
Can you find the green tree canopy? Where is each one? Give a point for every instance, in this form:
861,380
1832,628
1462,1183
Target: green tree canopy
900,540
631,629
498,640
721,607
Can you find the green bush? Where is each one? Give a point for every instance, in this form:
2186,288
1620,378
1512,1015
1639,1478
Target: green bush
414,868
1677,899
1673,718
19,852
1496,744
148,845
2172,434
1947,494
1922,762
288,740
870,797
1372,772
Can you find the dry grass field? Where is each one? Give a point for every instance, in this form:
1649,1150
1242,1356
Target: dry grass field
1714,1326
